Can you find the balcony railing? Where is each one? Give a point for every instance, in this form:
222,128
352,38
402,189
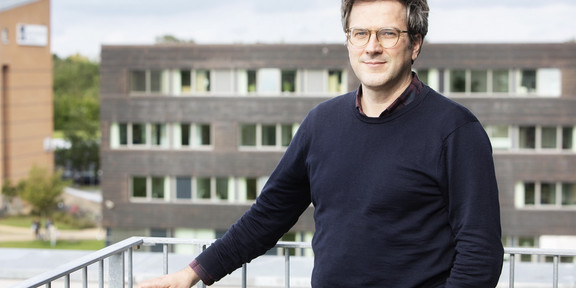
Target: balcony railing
119,259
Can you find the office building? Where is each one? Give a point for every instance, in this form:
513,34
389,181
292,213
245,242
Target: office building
190,132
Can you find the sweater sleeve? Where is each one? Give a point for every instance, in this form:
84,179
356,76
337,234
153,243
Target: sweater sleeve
474,211
283,199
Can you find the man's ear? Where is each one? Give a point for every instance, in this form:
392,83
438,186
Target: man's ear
416,46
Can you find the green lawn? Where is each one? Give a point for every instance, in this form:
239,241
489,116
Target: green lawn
61,244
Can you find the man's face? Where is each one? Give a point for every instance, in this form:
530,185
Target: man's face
376,67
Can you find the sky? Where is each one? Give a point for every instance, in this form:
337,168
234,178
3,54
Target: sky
82,27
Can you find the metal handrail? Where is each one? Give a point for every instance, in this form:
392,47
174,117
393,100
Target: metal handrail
119,257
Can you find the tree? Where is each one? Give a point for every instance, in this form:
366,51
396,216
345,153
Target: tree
42,190
170,39
76,112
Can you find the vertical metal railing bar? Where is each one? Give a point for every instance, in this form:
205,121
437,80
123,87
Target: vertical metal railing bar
101,273
511,277
555,273
201,284
48,285
286,268
165,258
67,281
85,277
129,268
244,275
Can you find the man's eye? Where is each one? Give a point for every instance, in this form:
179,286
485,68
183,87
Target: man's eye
360,34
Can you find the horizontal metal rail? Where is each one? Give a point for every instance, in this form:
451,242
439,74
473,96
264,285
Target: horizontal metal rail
120,262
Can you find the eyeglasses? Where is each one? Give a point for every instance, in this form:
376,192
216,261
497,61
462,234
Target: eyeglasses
387,37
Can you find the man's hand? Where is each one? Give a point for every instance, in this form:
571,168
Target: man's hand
184,278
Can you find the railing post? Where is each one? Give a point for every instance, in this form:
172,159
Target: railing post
116,270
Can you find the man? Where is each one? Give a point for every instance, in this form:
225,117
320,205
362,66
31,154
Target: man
402,179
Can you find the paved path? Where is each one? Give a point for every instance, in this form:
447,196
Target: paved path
10,233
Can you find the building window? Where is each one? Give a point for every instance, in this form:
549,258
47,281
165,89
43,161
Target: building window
549,138
568,136
202,81
499,136
568,194
159,137
188,135
251,80
248,189
248,135
266,136
527,137
123,131
148,82
336,81
186,81
184,188
213,188
138,134
138,81
288,81
203,188
479,81
527,82
458,81
149,188
139,187
554,195
500,81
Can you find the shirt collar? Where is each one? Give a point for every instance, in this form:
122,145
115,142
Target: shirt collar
404,99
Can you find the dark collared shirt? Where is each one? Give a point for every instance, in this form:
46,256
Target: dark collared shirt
406,98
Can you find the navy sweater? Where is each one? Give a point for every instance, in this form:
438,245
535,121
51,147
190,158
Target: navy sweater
408,200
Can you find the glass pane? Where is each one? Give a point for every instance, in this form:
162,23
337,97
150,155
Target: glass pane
252,84
202,81
139,187
567,138
251,188
222,188
203,134
158,134
248,135
286,135
529,193
123,129
268,135
548,193
138,81
288,81
500,81
155,81
186,81
527,81
335,82
158,187
549,137
203,188
138,134
185,132
568,194
479,81
183,188
528,137
458,81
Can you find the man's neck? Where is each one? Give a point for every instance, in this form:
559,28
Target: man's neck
375,100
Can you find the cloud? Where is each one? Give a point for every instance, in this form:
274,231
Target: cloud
83,26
